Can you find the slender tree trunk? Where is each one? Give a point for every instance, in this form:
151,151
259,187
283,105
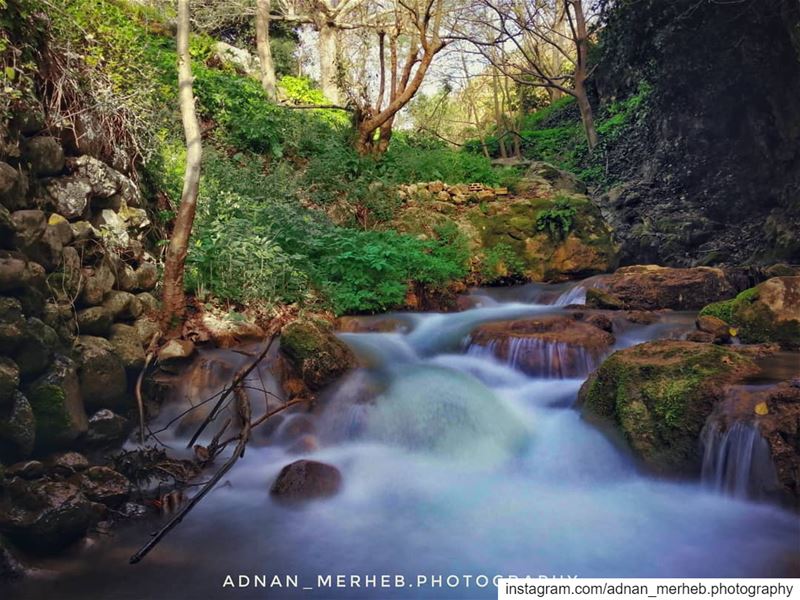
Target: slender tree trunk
174,298
581,74
498,117
268,80
328,61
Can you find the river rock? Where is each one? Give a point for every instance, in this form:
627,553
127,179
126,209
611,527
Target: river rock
58,405
107,428
103,180
67,462
17,429
104,485
8,178
651,287
769,312
548,346
149,302
317,354
122,305
95,320
718,329
99,281
70,196
45,516
659,395
601,299
18,273
9,380
306,480
103,381
29,227
7,229
29,469
176,350
45,156
128,347
147,329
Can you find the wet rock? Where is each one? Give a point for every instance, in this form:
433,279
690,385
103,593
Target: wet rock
304,445
146,277
650,287
45,156
122,305
12,323
600,321
107,428
597,298
176,350
70,196
17,429
9,381
99,281
95,320
45,516
67,463
659,395
104,485
58,405
227,332
769,312
547,346
717,328
36,348
317,354
306,480
103,381
701,337
30,470
10,567
128,347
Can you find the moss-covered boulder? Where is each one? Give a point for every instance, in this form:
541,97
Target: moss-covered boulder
128,347
652,287
317,354
769,312
659,395
103,381
17,429
58,405
36,348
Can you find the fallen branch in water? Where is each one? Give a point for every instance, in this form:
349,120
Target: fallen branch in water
234,385
244,410
271,413
138,392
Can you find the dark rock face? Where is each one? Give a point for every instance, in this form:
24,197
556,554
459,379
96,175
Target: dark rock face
306,480
712,173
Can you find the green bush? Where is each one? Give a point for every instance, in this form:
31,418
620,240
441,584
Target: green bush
501,263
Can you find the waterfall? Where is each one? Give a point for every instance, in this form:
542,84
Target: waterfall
737,461
540,358
574,295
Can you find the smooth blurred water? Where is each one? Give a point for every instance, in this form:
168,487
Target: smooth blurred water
452,464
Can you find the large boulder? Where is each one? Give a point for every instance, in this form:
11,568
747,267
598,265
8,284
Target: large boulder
775,412
103,381
45,156
651,287
58,405
95,320
17,429
36,348
317,354
769,312
306,480
98,282
659,395
552,346
146,277
127,345
45,516
122,305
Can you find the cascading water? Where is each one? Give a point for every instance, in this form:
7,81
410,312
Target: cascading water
452,464
554,360
736,461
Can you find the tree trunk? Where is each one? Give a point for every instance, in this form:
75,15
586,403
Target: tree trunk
498,117
328,62
174,298
268,80
581,73
587,115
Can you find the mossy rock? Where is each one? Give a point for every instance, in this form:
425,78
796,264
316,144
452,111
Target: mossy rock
58,406
769,312
318,355
17,430
659,395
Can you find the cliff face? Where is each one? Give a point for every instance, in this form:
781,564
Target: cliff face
712,173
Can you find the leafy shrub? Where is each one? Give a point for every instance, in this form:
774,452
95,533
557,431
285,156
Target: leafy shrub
501,263
558,220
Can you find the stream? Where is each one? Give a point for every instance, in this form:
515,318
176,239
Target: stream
453,463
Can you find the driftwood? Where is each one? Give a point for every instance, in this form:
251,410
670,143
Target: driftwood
240,376
138,393
244,435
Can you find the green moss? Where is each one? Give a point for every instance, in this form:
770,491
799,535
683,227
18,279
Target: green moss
301,340
659,394
48,402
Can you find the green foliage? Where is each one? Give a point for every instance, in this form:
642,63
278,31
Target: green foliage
726,309
558,220
501,263
300,90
